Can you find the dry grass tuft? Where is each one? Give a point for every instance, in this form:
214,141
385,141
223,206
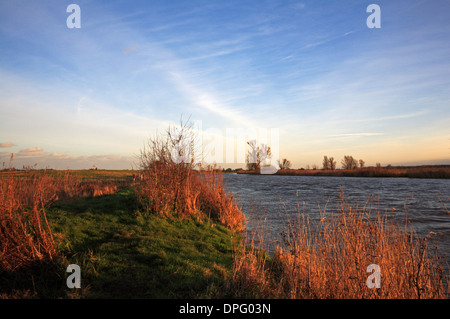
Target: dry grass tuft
184,193
215,201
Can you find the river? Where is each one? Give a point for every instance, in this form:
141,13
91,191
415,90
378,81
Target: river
269,201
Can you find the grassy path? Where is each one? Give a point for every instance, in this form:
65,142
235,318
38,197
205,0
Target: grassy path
123,253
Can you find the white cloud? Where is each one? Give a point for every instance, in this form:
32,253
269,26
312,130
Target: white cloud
73,121
209,102
31,152
6,144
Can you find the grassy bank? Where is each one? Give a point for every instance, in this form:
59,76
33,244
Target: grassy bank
124,253
151,240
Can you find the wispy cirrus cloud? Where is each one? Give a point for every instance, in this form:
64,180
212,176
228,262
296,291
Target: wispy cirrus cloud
356,134
209,102
326,40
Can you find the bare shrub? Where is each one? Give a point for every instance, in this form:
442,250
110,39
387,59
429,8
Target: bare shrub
215,201
173,185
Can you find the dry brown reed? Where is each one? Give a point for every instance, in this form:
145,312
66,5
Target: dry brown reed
69,185
177,191
170,184
329,259
25,234
410,172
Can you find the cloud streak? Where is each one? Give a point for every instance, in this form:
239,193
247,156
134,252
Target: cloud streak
356,134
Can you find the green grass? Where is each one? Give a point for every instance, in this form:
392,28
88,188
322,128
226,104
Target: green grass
123,253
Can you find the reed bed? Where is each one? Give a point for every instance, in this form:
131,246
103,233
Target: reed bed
325,258
173,185
409,172
25,234
218,203
177,191
330,258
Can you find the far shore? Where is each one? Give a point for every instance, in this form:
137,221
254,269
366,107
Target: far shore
425,171
434,171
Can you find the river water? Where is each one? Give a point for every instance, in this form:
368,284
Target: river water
269,201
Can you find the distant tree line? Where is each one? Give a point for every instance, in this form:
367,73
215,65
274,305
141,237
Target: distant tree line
348,162
329,163
257,155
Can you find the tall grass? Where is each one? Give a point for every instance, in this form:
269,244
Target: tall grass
176,191
329,259
25,234
218,203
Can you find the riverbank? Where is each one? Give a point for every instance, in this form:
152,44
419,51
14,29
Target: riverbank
438,171
128,250
124,252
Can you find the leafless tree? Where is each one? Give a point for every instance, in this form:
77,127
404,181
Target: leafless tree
177,145
331,163
348,162
328,163
167,162
361,163
325,163
284,163
257,155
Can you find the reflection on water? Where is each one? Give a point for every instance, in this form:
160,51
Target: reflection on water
279,198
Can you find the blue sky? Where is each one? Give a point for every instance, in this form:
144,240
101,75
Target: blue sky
74,98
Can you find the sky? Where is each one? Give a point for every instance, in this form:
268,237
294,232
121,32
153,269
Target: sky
312,71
